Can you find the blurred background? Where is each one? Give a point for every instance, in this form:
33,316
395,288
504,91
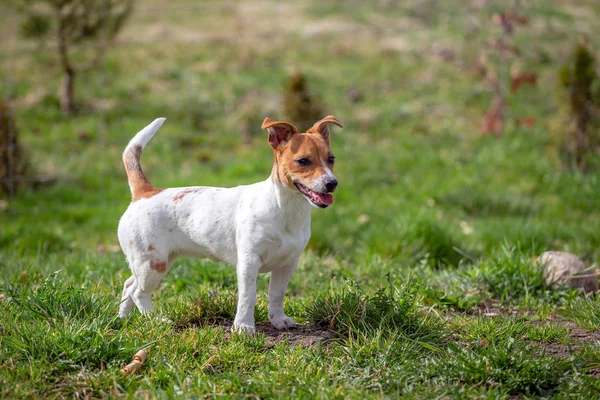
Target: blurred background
470,126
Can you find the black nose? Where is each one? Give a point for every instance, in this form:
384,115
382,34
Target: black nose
331,185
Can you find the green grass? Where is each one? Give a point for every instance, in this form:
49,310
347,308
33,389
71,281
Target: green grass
419,282
585,312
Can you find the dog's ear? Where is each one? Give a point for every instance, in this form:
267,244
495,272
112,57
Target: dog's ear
280,132
321,128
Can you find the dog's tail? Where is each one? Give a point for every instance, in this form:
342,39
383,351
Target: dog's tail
138,183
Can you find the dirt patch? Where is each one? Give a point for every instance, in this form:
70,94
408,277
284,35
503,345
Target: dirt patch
304,336
557,350
577,338
494,308
576,333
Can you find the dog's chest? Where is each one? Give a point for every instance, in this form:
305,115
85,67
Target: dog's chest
282,248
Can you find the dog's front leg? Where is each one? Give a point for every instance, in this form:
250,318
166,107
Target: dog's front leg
247,272
277,287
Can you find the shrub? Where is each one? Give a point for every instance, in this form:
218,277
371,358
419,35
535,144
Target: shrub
579,78
299,106
13,162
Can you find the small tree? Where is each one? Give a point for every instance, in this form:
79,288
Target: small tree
88,24
582,84
299,106
13,162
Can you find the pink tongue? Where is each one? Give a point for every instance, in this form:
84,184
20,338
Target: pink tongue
325,198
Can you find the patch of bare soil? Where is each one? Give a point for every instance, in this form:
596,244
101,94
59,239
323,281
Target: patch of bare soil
576,333
494,308
578,337
557,350
304,336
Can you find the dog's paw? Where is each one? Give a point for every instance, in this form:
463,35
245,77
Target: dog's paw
243,328
283,322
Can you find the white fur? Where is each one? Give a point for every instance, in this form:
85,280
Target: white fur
263,227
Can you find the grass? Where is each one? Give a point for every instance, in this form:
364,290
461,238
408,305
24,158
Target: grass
585,312
419,282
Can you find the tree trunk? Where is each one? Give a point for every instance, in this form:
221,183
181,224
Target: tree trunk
581,142
67,95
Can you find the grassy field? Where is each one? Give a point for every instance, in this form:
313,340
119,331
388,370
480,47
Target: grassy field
420,281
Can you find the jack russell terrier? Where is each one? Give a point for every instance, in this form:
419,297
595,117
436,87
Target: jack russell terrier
263,227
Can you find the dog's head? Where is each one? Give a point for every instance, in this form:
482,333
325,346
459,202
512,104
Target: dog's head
303,161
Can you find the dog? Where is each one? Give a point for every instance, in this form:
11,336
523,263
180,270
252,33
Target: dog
262,227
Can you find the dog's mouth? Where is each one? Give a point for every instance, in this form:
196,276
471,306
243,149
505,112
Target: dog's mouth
322,200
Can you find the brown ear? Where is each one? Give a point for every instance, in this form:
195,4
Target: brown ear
280,132
321,126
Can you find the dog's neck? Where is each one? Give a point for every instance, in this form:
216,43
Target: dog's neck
294,208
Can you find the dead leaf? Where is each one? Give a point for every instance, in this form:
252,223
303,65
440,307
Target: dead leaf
516,18
493,122
518,78
527,122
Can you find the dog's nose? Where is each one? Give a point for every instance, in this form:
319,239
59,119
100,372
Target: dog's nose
331,185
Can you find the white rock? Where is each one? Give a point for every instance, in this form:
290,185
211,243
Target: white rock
561,268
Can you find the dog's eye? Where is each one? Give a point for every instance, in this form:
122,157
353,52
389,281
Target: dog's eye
303,161
331,159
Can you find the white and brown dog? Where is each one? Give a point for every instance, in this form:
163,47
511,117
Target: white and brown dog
263,227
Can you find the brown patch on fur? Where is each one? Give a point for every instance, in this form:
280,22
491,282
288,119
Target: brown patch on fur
179,196
150,248
158,266
131,243
141,188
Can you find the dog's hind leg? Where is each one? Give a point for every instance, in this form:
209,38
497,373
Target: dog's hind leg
126,300
148,275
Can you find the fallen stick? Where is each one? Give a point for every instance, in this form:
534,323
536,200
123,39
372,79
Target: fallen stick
136,364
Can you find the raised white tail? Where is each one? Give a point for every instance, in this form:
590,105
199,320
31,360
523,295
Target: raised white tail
138,183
